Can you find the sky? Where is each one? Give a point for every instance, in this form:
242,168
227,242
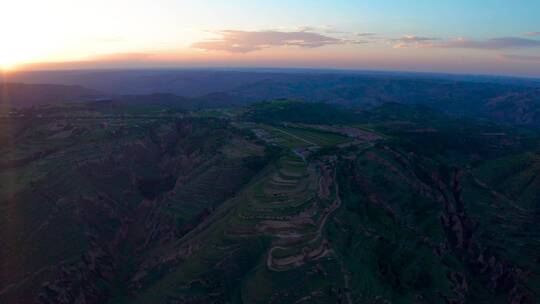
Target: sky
497,37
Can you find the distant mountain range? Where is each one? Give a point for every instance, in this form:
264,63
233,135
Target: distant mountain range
26,95
506,100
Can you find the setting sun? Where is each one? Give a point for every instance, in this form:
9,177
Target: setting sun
6,65
8,62
11,55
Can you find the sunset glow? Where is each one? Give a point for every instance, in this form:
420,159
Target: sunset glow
499,38
8,60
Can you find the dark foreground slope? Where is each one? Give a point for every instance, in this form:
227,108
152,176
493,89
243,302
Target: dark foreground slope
87,195
400,204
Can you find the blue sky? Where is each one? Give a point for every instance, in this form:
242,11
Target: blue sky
478,19
456,17
458,36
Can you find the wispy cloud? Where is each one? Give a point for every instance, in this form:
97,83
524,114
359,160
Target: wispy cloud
239,41
236,41
493,44
330,29
306,29
520,57
463,43
533,34
409,41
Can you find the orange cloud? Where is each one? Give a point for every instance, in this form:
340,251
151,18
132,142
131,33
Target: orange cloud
413,41
236,41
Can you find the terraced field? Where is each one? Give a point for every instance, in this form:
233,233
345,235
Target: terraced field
282,214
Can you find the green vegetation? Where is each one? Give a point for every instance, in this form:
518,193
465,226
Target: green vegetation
279,202
299,112
294,137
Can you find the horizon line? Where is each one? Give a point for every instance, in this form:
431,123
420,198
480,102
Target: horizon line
267,69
